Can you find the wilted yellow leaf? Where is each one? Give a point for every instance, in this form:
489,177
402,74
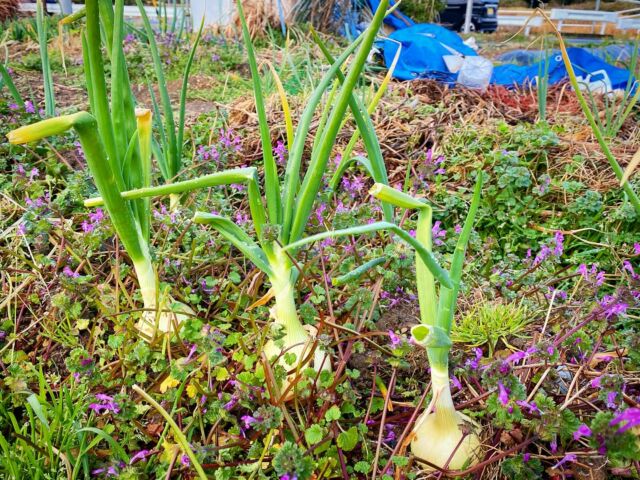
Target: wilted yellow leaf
192,390
168,383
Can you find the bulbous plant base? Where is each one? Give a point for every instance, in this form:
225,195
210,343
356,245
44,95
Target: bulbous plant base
436,436
154,323
303,342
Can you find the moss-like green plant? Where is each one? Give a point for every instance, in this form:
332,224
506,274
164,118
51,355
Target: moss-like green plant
489,322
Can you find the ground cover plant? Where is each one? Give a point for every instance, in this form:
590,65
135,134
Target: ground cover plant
454,270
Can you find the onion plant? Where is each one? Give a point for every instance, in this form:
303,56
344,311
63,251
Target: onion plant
43,34
443,437
169,151
280,218
117,145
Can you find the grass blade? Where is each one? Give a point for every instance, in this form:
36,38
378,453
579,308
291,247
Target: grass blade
292,173
183,91
365,126
597,132
6,77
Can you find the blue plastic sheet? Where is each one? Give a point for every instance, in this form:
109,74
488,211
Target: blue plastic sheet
423,46
609,53
585,65
397,19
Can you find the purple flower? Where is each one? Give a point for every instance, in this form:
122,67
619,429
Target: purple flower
611,400
631,417
185,461
280,151
559,247
29,107
517,356
626,265
242,218
286,476
391,435
455,382
592,275
248,420
582,431
438,233
13,106
231,403
532,407
542,255
70,273
636,248
612,307
105,404
526,457
141,455
395,340
457,229
595,383
192,350
473,363
503,394
568,458
34,173
319,212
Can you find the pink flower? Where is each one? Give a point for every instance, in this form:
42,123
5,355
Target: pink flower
438,233
503,394
141,455
395,340
582,431
70,273
569,458
248,420
631,417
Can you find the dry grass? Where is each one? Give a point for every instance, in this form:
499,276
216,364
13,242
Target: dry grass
9,9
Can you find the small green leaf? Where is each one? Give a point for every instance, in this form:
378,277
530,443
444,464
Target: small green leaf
332,414
314,434
348,440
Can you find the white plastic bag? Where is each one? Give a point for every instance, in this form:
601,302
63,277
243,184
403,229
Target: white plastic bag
475,72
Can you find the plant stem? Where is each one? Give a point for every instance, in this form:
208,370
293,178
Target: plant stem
177,433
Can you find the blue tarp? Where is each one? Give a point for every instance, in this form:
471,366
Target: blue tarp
423,46
609,53
397,19
584,64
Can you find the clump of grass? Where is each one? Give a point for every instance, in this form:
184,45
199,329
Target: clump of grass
489,322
